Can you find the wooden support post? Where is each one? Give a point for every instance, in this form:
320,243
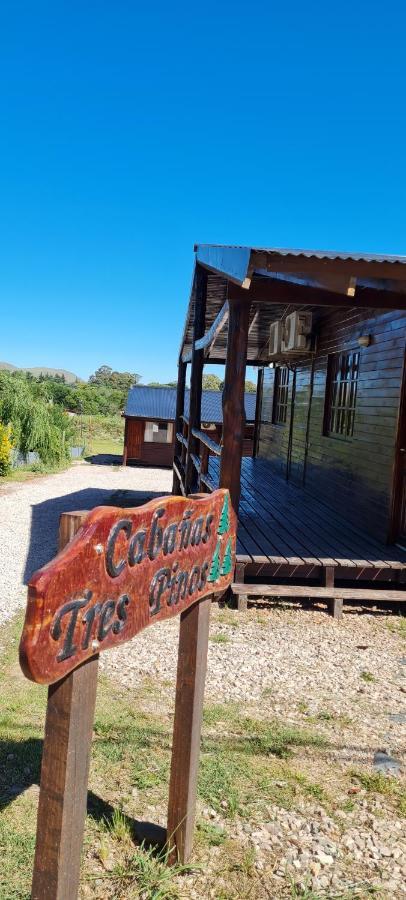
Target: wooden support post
258,408
233,399
125,449
64,771
195,398
192,662
335,605
180,408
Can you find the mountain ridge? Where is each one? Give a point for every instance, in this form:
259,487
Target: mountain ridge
70,377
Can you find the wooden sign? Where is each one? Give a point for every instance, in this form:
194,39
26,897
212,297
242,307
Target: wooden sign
125,570
118,572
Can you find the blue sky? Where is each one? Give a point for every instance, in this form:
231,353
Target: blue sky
130,131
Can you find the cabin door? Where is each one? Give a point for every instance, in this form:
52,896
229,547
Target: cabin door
302,388
135,438
399,520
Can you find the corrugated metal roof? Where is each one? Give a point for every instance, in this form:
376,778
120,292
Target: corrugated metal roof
313,254
160,403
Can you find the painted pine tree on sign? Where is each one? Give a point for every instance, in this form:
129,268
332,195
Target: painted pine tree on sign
227,563
224,524
214,573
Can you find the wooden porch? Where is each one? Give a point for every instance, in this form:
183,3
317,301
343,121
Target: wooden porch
285,532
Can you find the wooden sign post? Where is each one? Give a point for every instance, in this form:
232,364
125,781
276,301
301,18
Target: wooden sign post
122,571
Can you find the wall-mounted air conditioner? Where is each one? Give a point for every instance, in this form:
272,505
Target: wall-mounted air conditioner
297,332
275,337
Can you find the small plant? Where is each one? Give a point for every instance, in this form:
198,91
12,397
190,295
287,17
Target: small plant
119,826
220,638
368,677
213,835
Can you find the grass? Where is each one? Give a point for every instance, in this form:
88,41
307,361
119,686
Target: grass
100,434
385,785
25,473
220,638
368,677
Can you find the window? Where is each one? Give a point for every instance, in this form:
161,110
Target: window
280,395
342,379
158,432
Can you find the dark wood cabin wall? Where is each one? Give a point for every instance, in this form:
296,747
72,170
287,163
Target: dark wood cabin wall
354,476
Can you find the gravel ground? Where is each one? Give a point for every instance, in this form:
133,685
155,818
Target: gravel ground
344,680
29,516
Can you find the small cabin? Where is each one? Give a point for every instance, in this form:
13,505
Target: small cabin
149,431
321,504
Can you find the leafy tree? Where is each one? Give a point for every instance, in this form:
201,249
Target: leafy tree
249,387
211,383
36,422
109,378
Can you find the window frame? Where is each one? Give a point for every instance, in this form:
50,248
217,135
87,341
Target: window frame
341,394
280,396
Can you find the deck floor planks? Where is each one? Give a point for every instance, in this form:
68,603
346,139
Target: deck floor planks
300,526
278,519
334,523
325,528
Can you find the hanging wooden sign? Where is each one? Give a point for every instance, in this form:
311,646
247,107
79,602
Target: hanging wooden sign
125,570
119,570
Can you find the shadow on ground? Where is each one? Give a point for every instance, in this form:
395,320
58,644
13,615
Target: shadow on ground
45,518
105,459
25,757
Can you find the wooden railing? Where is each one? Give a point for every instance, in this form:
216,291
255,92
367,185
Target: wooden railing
201,461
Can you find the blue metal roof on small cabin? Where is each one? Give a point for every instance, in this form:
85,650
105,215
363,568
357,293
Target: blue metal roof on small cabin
160,403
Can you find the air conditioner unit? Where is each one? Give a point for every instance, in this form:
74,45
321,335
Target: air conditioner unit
275,337
297,332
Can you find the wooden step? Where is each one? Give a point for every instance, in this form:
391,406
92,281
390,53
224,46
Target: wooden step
334,593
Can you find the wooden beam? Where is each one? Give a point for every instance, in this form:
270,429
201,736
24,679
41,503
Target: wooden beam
314,266
64,770
180,408
273,290
195,396
233,398
208,339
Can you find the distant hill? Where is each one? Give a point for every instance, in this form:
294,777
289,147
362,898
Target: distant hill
70,377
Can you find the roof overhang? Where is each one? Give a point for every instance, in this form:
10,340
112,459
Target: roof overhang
275,281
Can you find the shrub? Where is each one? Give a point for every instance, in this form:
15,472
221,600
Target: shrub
5,449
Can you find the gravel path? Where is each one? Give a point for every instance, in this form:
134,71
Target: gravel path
29,515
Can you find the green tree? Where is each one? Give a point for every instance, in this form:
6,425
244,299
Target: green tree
227,563
105,376
249,387
211,383
214,573
224,523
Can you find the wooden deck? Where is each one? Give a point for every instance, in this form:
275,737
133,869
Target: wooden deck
285,532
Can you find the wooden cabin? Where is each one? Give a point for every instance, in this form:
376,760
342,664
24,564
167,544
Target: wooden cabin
149,431
322,503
